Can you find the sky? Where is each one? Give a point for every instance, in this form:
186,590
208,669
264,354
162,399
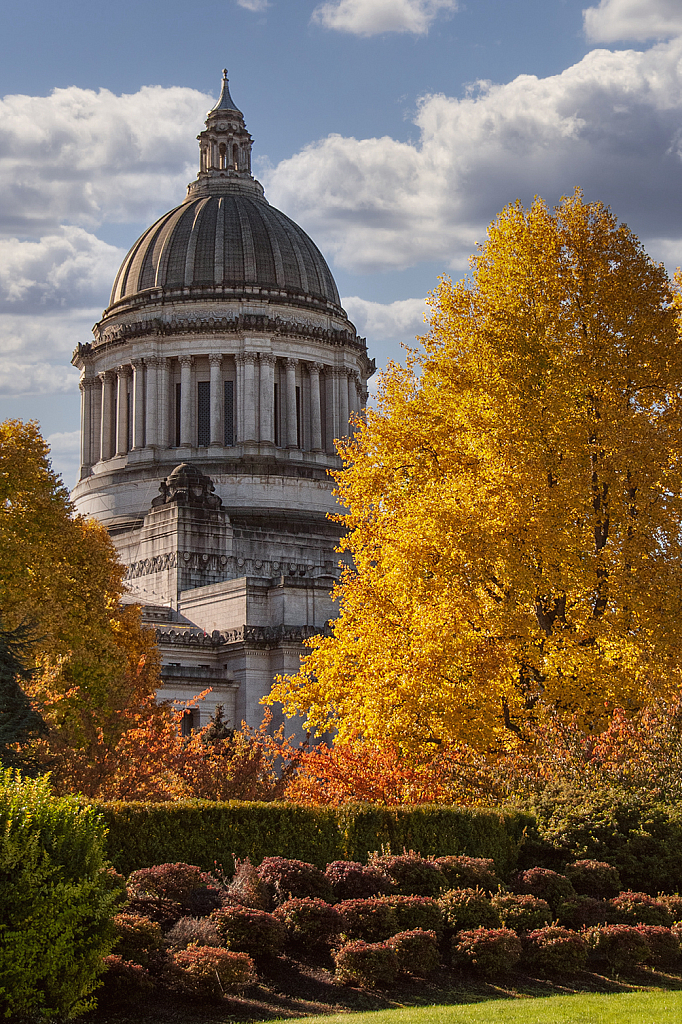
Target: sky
393,131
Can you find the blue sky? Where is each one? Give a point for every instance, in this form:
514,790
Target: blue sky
392,130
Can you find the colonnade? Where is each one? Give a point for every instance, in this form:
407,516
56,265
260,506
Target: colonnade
134,405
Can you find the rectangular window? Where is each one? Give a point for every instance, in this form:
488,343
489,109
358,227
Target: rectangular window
278,418
229,413
203,413
178,399
298,418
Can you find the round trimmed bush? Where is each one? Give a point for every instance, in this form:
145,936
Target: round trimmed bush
420,912
583,912
193,931
556,949
593,878
521,912
371,920
207,972
136,937
412,874
309,921
469,873
174,882
664,946
366,963
674,905
287,879
353,881
620,946
546,885
249,931
488,950
416,952
640,908
123,982
467,909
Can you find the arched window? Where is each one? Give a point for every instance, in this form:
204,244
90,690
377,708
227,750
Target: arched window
235,157
223,156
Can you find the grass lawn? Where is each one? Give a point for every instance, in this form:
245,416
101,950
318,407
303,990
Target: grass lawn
583,1008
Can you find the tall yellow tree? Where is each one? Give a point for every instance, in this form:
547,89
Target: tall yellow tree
513,504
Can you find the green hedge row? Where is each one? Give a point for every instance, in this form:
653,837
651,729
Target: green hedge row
204,832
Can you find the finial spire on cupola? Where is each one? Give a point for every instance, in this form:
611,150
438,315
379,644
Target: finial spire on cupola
225,102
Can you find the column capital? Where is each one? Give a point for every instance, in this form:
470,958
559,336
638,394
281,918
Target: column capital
152,361
316,368
124,370
267,358
89,382
355,375
106,375
185,360
291,363
137,364
215,359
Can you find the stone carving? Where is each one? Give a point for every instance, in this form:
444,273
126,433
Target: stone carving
259,636
187,485
229,565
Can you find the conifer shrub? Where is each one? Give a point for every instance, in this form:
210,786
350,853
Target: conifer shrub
365,963
310,922
556,949
351,880
416,952
521,912
371,920
639,908
249,931
488,950
469,873
583,912
417,912
137,937
619,947
209,972
287,879
123,982
594,878
466,909
193,931
664,946
412,874
546,884
674,905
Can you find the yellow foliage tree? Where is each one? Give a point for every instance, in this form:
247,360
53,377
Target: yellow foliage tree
513,504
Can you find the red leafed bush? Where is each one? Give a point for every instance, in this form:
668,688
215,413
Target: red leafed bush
174,882
136,937
365,963
546,885
583,912
488,950
309,921
412,874
289,879
522,912
209,972
123,982
556,949
371,920
674,905
416,952
469,873
640,908
467,908
249,931
351,880
664,946
193,931
619,946
420,912
593,878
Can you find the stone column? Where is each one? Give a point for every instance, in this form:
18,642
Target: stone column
96,419
249,396
292,432
239,397
163,409
108,379
138,403
151,402
85,386
343,403
267,398
330,426
122,426
215,362
315,370
186,392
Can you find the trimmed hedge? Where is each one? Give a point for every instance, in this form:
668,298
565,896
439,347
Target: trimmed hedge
204,832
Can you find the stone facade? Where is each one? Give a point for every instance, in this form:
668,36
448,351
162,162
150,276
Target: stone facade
218,378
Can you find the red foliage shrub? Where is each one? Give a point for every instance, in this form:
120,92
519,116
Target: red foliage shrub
664,946
521,912
620,946
556,949
545,884
417,912
309,921
353,881
594,878
289,879
249,931
640,908
207,972
674,905
416,952
123,982
469,873
412,874
467,908
136,937
174,882
366,963
488,950
583,912
370,920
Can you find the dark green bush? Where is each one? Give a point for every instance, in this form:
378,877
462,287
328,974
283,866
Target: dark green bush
286,879
621,947
124,983
467,909
371,920
416,952
412,874
546,884
639,908
673,903
556,949
249,931
594,878
664,946
351,880
583,912
57,899
310,922
413,912
521,912
366,963
469,873
488,950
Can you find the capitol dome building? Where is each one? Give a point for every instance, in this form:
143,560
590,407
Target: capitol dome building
219,376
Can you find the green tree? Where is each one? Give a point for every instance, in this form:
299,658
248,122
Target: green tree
19,720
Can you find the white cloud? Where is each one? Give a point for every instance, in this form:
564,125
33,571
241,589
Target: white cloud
83,157
253,5
371,17
614,20
35,351
611,123
393,321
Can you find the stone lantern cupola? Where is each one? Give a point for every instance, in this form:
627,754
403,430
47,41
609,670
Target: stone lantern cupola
224,148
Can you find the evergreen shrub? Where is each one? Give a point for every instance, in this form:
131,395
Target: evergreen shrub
469,873
673,903
546,884
664,946
249,931
123,982
416,912
556,949
488,950
639,908
621,947
366,963
594,878
464,909
287,879
416,952
412,874
309,922
583,912
371,920
521,912
351,880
